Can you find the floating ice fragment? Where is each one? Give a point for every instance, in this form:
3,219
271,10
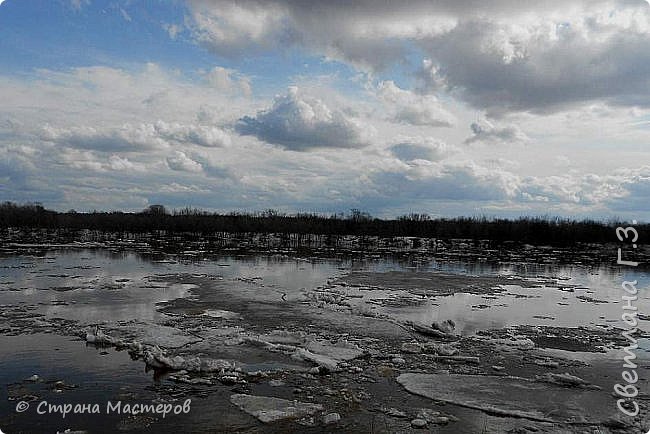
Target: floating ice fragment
513,397
269,409
155,357
330,356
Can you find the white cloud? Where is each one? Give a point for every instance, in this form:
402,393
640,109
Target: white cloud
98,162
200,135
503,56
411,108
422,148
101,131
454,181
125,15
175,187
116,162
486,132
230,27
298,122
127,137
228,80
172,30
149,134
102,97
180,161
547,60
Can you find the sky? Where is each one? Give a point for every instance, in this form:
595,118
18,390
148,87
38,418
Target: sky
452,107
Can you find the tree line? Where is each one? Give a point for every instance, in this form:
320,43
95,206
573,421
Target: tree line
533,230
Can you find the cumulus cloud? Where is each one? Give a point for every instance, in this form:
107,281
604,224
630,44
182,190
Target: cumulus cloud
410,108
102,97
422,148
554,69
472,184
116,162
135,137
486,132
200,135
21,177
504,55
457,181
300,123
593,51
126,138
181,162
637,190
98,162
113,129
228,80
232,27
581,189
364,35
175,187
16,163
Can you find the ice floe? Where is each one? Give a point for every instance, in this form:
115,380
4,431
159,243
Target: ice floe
328,355
157,357
221,314
269,409
494,395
